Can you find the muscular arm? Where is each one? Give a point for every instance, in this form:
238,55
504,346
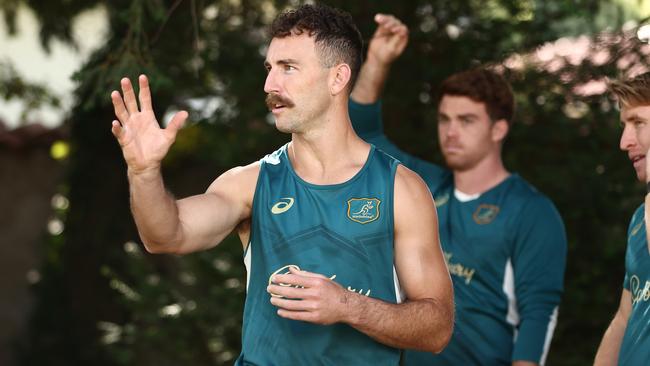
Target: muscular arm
610,346
424,321
164,224
195,223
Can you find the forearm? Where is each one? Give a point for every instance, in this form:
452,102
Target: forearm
424,324
610,346
155,211
370,82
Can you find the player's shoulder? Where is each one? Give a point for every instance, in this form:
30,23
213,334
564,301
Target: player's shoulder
239,178
410,183
529,198
383,156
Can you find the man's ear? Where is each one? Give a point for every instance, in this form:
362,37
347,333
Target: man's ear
340,78
500,130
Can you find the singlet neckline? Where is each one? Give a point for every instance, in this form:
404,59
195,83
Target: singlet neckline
285,157
465,197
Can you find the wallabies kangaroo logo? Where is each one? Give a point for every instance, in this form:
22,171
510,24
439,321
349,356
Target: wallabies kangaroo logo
363,210
485,214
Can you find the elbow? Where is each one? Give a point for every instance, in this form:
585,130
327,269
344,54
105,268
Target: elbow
159,247
167,243
441,336
444,340
155,248
440,340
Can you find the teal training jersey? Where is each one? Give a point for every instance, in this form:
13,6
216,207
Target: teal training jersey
635,349
342,231
506,252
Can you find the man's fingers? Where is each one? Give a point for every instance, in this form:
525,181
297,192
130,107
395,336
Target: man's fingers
306,273
129,96
118,106
293,280
399,29
389,26
297,315
381,19
177,122
288,292
293,305
145,93
386,21
117,130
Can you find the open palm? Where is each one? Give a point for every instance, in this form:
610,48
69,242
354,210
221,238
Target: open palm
144,144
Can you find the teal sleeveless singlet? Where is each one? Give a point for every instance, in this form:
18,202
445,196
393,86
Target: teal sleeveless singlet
342,231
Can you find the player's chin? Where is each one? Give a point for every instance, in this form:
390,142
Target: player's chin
456,163
286,126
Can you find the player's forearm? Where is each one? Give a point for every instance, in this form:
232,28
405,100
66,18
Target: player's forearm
370,82
610,346
154,211
424,325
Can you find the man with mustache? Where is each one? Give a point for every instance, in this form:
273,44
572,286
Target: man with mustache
343,263
504,241
627,339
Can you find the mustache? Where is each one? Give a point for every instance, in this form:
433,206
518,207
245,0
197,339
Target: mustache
272,99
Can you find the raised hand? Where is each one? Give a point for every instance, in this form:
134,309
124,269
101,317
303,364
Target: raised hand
389,40
385,46
144,144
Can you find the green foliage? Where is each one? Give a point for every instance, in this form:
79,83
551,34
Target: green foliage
14,87
103,301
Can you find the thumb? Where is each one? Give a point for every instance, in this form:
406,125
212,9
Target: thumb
177,122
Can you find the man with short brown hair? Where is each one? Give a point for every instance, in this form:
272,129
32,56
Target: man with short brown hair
344,266
503,240
627,339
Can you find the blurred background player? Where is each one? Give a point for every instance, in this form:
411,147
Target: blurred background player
504,241
627,339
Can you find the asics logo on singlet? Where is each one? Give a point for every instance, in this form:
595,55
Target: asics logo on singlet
283,206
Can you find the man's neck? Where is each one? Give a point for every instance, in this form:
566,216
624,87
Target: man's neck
482,177
330,153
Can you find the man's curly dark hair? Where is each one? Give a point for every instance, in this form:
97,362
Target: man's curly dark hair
336,36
